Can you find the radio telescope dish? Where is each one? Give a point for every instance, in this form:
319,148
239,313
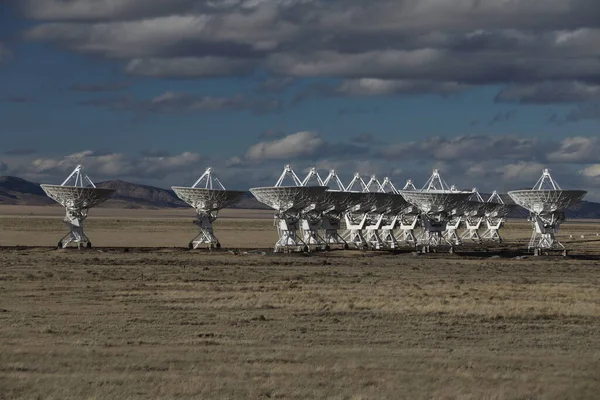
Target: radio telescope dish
437,203
207,196
77,194
546,203
291,203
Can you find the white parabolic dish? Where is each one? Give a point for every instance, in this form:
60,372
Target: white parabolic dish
287,198
207,199
436,201
546,201
77,197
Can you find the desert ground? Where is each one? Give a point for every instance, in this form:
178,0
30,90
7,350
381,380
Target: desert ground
139,316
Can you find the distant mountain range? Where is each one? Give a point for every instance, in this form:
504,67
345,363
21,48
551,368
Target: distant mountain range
18,191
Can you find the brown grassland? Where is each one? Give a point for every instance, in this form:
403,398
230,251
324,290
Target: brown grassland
170,323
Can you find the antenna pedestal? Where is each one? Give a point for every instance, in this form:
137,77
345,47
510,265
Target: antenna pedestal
451,232
492,233
74,221
408,224
310,225
354,233
373,238
544,230
331,227
433,233
204,222
287,228
472,232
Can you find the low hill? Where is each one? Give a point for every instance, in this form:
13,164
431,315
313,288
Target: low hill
17,191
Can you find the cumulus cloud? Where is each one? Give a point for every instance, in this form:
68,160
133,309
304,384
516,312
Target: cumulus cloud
115,165
584,112
546,50
473,147
100,87
550,92
591,171
189,67
578,150
298,145
181,103
371,86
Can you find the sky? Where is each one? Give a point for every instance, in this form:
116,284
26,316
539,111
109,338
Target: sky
490,92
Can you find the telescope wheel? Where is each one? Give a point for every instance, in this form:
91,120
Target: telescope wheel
89,245
346,247
60,244
327,247
190,245
305,249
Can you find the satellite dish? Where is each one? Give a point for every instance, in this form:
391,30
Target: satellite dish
290,202
437,203
546,203
207,196
77,194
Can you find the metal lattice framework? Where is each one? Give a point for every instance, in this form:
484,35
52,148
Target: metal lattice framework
437,203
77,194
207,196
546,203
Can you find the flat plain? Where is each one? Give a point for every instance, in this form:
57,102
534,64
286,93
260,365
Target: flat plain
159,321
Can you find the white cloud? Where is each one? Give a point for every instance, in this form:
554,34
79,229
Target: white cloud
550,92
298,145
521,172
578,150
115,165
591,171
189,67
373,86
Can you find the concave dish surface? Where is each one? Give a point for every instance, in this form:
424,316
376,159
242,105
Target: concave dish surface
436,201
76,196
363,201
286,198
388,202
546,201
207,199
339,200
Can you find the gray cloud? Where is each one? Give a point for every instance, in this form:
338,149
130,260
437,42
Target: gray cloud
584,112
189,67
357,110
550,92
182,103
19,99
503,116
379,48
20,152
100,87
5,53
472,147
276,85
115,165
578,150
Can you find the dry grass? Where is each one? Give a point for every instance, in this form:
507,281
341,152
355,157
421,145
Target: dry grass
345,325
